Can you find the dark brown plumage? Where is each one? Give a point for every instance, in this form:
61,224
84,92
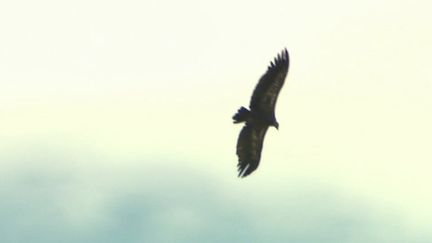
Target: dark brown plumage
261,115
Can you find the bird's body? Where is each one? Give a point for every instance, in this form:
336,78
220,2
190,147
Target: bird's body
261,115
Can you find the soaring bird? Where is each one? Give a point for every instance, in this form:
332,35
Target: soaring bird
261,114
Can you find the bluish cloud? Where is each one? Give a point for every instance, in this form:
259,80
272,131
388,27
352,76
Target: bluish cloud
143,201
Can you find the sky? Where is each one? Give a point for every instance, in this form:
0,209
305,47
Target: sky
116,121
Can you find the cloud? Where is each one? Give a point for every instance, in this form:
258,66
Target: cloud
50,198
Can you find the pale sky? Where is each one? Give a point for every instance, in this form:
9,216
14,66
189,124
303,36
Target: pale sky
116,121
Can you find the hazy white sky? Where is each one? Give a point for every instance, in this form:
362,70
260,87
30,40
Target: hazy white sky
116,121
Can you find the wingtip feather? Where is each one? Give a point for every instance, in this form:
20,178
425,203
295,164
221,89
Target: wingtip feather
281,58
243,172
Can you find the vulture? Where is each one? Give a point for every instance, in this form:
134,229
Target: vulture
261,115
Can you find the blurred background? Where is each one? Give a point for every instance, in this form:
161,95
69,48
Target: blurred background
116,121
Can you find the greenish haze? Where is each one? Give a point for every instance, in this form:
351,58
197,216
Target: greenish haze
116,121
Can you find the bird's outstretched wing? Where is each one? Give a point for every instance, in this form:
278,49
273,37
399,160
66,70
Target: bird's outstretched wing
267,90
249,146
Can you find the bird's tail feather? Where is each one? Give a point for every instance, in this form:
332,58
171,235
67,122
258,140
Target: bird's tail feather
241,115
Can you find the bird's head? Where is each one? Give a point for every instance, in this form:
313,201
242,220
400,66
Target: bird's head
276,125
